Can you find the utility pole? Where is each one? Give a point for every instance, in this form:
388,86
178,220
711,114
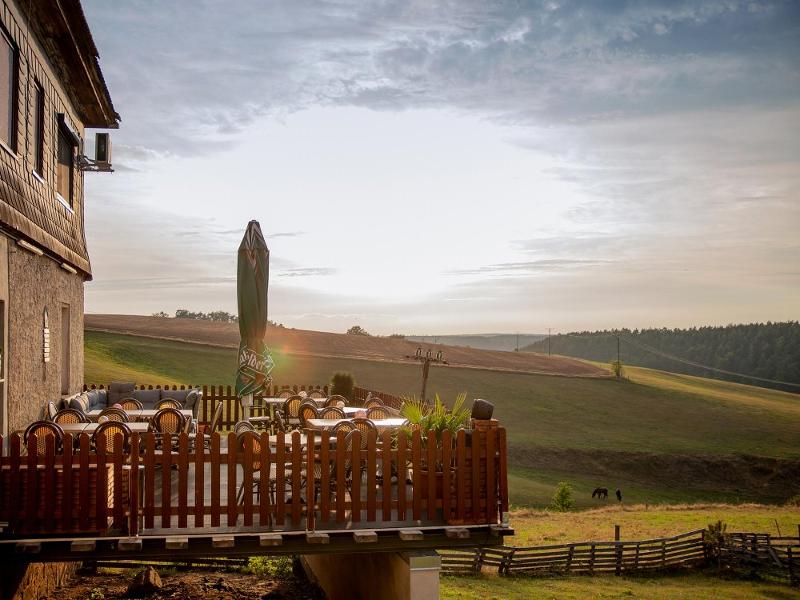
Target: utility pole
426,361
518,342
548,341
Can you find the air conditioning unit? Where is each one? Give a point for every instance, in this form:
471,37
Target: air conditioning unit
102,148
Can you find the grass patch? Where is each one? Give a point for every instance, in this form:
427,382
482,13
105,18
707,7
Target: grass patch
674,587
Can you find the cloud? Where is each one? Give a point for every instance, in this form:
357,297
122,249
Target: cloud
307,272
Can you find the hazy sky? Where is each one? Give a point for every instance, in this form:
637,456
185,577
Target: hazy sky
442,167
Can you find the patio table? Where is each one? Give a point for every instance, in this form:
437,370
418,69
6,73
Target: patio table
74,428
381,424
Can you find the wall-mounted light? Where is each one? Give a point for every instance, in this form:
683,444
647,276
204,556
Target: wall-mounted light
68,268
30,247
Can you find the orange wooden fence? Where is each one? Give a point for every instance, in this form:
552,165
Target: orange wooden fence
181,482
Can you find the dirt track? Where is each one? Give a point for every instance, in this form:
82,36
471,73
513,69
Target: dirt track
317,343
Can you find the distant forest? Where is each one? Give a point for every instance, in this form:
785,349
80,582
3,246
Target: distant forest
769,351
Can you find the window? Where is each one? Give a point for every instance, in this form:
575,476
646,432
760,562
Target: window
8,91
38,130
65,166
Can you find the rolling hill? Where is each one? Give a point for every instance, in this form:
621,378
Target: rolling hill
660,437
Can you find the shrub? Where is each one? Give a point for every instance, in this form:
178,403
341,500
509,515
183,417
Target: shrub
794,501
357,330
562,498
714,540
343,384
278,568
616,367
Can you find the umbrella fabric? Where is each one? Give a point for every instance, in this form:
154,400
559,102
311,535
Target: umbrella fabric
255,362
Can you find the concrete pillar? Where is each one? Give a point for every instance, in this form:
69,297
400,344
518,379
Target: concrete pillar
377,576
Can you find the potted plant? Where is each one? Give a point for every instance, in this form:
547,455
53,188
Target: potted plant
433,421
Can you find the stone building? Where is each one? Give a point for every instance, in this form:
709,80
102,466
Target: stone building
51,88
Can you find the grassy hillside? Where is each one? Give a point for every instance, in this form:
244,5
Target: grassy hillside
635,434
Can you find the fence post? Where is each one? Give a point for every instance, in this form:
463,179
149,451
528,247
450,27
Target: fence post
791,566
617,553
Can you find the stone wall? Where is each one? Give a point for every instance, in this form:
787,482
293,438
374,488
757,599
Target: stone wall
37,283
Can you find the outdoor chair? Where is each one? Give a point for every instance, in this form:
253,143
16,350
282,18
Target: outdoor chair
285,394
109,430
280,425
51,410
335,399
168,403
378,412
364,426
243,426
69,416
316,394
42,429
130,404
308,410
331,412
291,410
346,426
213,427
115,414
373,402
168,421
252,440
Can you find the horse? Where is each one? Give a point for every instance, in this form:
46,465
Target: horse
600,493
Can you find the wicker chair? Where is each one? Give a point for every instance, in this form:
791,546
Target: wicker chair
42,429
115,414
346,426
364,426
243,426
316,394
331,412
307,410
335,399
168,403
69,416
291,410
168,420
374,401
285,394
252,440
109,430
379,412
130,404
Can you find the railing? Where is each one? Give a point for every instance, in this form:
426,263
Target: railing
590,558
181,482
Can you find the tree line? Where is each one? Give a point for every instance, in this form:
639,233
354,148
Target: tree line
219,316
765,350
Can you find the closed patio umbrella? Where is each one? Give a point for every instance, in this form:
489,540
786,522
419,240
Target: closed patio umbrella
252,279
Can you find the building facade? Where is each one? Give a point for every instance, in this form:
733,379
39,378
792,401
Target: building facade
51,89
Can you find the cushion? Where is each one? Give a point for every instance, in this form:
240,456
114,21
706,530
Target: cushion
148,398
179,395
79,402
96,399
119,390
191,402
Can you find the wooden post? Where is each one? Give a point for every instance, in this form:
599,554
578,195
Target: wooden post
790,561
617,553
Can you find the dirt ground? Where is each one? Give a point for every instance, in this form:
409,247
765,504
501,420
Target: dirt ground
189,585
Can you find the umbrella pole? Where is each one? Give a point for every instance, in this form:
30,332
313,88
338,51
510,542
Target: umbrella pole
247,402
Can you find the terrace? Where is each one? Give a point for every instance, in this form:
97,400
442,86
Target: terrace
211,493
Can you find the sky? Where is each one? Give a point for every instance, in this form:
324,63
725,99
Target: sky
431,167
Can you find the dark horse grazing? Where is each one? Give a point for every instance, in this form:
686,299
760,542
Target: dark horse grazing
600,493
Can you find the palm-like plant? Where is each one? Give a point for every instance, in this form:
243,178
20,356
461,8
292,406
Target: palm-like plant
436,418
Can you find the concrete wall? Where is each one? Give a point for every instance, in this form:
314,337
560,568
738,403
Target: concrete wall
376,576
36,283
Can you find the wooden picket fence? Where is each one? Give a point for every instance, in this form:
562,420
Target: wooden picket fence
590,558
180,482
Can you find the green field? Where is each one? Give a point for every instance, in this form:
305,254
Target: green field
634,434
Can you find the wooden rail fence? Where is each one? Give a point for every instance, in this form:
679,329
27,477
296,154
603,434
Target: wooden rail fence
179,482
582,557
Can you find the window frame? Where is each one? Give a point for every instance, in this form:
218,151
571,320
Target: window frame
38,129
12,144
63,131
